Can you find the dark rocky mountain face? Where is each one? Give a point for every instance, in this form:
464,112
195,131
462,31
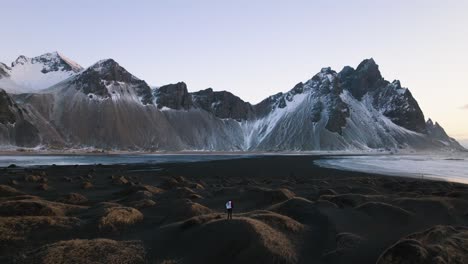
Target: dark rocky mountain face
436,132
14,128
223,104
324,84
400,106
391,99
90,82
338,111
20,60
4,70
96,79
278,100
7,108
366,78
267,105
337,115
173,96
26,134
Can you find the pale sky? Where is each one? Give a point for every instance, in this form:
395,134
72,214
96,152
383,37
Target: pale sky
257,48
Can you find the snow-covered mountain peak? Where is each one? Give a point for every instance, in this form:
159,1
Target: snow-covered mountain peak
368,65
326,70
365,78
324,80
21,60
110,70
103,64
34,74
59,58
397,86
107,80
52,61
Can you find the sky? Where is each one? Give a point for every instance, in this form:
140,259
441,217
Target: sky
257,48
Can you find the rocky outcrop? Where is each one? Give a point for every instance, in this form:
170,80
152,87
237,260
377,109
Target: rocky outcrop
14,128
4,70
223,104
438,134
391,99
173,96
106,77
7,108
366,78
399,105
435,130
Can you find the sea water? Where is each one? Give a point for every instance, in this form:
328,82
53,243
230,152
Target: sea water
38,160
449,166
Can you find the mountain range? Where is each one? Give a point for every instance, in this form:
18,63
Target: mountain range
51,102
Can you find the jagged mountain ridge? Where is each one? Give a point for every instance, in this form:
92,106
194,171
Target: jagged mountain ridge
105,106
33,74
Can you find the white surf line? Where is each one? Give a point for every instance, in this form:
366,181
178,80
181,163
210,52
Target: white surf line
414,166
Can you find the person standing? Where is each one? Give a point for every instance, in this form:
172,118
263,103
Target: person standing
229,207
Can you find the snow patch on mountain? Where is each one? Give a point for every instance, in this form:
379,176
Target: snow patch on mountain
106,80
34,74
464,142
367,127
31,77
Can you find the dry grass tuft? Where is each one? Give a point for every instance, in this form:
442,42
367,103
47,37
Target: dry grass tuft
87,185
439,244
36,207
201,219
17,231
179,181
145,203
7,191
278,221
249,240
35,178
118,218
131,189
73,198
88,252
43,187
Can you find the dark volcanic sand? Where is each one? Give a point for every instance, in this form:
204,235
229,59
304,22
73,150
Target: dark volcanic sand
286,210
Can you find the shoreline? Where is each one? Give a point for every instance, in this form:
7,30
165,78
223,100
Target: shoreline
91,151
191,152
350,162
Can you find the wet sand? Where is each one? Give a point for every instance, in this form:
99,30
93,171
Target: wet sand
286,210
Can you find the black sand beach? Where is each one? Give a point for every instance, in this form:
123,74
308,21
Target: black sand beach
286,210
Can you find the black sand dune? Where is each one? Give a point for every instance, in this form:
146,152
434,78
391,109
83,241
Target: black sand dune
286,210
